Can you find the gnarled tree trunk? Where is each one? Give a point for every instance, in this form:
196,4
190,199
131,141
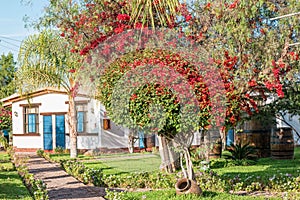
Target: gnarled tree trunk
170,160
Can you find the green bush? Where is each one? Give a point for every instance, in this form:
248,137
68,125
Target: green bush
40,152
36,187
3,142
59,150
82,173
153,180
241,152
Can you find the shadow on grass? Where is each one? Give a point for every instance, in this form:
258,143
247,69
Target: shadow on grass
12,186
209,194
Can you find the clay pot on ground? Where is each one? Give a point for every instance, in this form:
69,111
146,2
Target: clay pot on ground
186,186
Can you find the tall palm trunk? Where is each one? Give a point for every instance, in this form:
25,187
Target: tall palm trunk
72,127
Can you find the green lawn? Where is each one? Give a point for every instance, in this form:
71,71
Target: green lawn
118,163
125,164
171,195
264,167
138,162
11,185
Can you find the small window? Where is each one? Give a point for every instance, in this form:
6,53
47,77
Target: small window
81,117
31,119
106,124
80,122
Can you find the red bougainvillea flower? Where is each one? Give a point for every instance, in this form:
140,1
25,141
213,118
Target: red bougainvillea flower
233,5
188,18
123,17
72,70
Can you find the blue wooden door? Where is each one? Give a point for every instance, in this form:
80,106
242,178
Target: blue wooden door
60,131
141,139
230,137
47,129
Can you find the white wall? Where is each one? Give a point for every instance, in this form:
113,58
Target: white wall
49,103
116,137
85,142
33,142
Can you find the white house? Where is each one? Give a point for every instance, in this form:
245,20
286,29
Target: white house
40,122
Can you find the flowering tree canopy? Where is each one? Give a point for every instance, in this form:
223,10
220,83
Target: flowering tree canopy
250,51
234,42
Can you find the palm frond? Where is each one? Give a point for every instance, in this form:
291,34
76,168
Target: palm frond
149,11
44,61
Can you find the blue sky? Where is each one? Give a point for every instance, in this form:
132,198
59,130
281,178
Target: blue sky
12,30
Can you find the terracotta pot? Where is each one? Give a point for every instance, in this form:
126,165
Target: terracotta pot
186,186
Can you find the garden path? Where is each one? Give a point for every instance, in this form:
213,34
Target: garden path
60,185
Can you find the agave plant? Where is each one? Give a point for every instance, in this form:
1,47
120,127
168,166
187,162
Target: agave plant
241,152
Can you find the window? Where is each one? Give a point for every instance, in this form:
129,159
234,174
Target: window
81,118
31,119
106,124
80,122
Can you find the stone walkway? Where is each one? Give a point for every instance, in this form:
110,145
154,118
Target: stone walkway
60,185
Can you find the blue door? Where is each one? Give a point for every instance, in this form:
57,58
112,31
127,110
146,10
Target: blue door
230,137
47,129
60,131
141,139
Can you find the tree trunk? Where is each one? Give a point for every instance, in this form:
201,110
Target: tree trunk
169,158
189,165
206,144
131,140
72,127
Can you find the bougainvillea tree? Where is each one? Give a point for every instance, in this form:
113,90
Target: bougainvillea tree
251,53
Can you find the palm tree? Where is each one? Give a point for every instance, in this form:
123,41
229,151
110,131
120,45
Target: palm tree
156,12
46,61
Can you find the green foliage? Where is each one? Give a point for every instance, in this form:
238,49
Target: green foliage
12,186
51,65
171,195
40,152
116,195
221,163
241,152
5,118
155,180
59,150
3,142
36,187
82,173
267,175
7,74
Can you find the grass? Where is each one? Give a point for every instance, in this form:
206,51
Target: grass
11,185
264,167
126,163
171,195
118,163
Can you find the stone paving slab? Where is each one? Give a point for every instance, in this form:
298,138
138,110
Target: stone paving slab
61,185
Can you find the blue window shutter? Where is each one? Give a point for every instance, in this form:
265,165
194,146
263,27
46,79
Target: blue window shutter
60,130
47,121
80,118
31,123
